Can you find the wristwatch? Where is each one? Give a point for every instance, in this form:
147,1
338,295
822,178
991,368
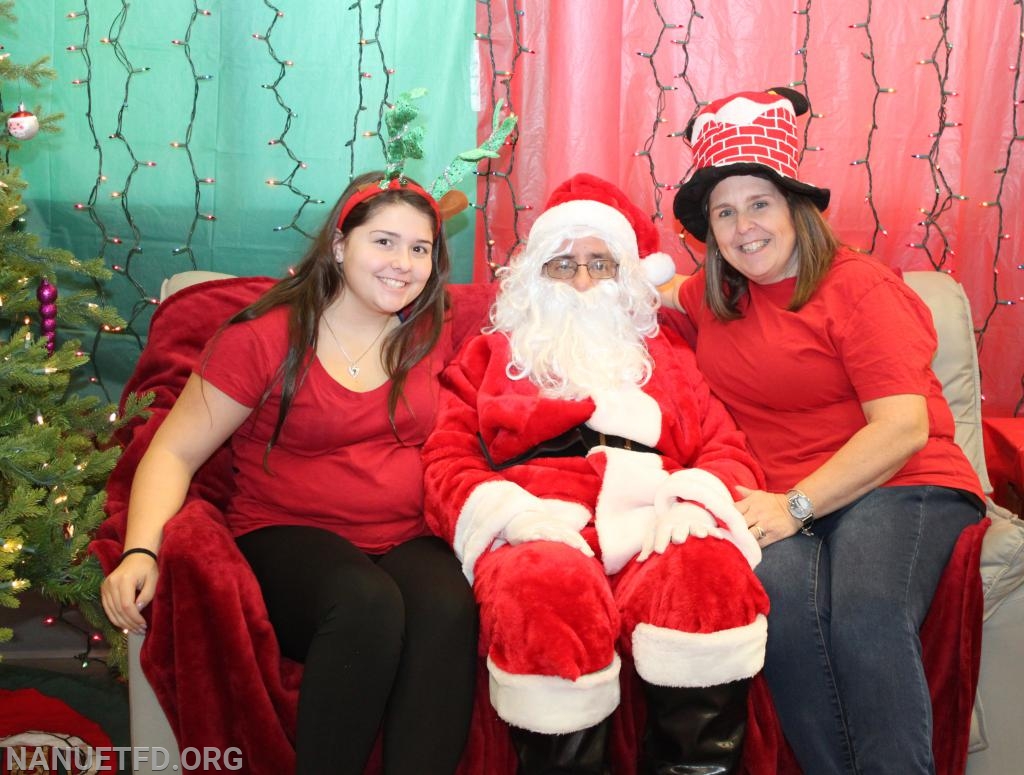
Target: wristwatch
801,509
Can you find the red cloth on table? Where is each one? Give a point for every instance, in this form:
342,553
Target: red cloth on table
1004,453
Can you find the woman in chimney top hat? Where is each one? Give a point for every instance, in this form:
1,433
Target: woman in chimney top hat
823,356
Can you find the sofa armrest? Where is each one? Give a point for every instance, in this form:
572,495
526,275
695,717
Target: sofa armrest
995,726
176,282
956,360
149,726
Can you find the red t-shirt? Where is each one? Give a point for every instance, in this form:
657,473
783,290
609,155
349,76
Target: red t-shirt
795,381
337,463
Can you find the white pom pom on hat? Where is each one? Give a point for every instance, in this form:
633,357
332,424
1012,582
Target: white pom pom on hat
659,268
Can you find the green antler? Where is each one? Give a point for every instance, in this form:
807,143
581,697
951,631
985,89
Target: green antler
467,160
404,142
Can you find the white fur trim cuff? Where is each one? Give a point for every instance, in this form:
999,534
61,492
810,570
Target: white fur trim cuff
484,515
625,506
706,489
552,705
629,412
672,658
491,506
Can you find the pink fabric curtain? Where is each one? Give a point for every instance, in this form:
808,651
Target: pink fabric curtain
916,125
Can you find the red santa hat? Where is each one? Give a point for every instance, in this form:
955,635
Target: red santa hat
748,133
588,205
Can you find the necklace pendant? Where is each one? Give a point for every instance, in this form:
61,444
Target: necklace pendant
353,370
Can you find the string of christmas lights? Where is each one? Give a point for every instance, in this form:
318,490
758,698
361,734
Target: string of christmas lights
658,120
499,173
999,300
684,76
865,160
106,237
123,195
93,639
281,140
501,29
198,180
801,83
384,103
360,92
363,75
944,197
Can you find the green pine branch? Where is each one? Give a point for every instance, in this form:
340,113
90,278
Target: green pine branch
33,74
56,446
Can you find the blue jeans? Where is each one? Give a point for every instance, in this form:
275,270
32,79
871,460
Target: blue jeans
844,659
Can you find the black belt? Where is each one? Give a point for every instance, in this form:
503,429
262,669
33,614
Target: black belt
575,442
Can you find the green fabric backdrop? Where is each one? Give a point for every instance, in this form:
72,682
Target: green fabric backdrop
426,44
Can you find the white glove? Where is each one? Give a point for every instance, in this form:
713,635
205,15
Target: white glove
674,525
539,526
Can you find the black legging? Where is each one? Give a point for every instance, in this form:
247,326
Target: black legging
389,638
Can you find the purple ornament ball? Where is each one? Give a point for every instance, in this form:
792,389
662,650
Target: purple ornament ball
46,292
47,311
48,325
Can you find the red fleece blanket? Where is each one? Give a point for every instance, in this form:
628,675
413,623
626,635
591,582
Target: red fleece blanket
211,655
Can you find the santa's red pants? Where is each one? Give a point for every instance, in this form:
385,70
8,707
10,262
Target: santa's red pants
551,623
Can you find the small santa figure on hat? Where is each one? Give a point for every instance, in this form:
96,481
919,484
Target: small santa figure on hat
585,476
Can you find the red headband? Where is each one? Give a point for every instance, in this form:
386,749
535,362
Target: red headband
370,190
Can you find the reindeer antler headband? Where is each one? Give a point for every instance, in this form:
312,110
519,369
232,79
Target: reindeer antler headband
405,142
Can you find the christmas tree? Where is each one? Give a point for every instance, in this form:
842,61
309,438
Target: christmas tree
55,450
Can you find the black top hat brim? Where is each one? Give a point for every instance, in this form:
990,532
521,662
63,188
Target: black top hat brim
690,201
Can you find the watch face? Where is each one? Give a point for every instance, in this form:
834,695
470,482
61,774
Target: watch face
800,506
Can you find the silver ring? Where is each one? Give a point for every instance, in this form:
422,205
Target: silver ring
760,531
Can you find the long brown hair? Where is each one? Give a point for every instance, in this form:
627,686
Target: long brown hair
317,280
816,246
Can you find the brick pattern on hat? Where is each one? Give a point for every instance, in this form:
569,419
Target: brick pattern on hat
770,139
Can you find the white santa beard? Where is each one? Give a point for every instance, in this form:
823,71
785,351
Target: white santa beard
574,344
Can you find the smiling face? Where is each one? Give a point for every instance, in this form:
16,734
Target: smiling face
386,260
752,224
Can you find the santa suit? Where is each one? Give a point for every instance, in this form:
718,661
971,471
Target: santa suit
553,618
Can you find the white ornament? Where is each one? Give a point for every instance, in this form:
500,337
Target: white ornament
22,124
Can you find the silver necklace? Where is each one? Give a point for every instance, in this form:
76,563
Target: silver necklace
353,368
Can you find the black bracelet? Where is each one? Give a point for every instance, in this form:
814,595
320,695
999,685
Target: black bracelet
138,550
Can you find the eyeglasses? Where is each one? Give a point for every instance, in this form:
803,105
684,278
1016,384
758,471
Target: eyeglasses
565,268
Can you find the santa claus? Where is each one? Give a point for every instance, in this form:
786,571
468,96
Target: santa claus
585,476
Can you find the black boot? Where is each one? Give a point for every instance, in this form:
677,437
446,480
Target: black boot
579,753
693,731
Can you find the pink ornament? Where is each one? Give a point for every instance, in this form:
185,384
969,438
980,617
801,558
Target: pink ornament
22,124
46,293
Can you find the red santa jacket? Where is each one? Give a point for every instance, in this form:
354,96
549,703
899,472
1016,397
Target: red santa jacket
702,454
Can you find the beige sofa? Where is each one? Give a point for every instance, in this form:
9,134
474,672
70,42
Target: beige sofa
997,736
